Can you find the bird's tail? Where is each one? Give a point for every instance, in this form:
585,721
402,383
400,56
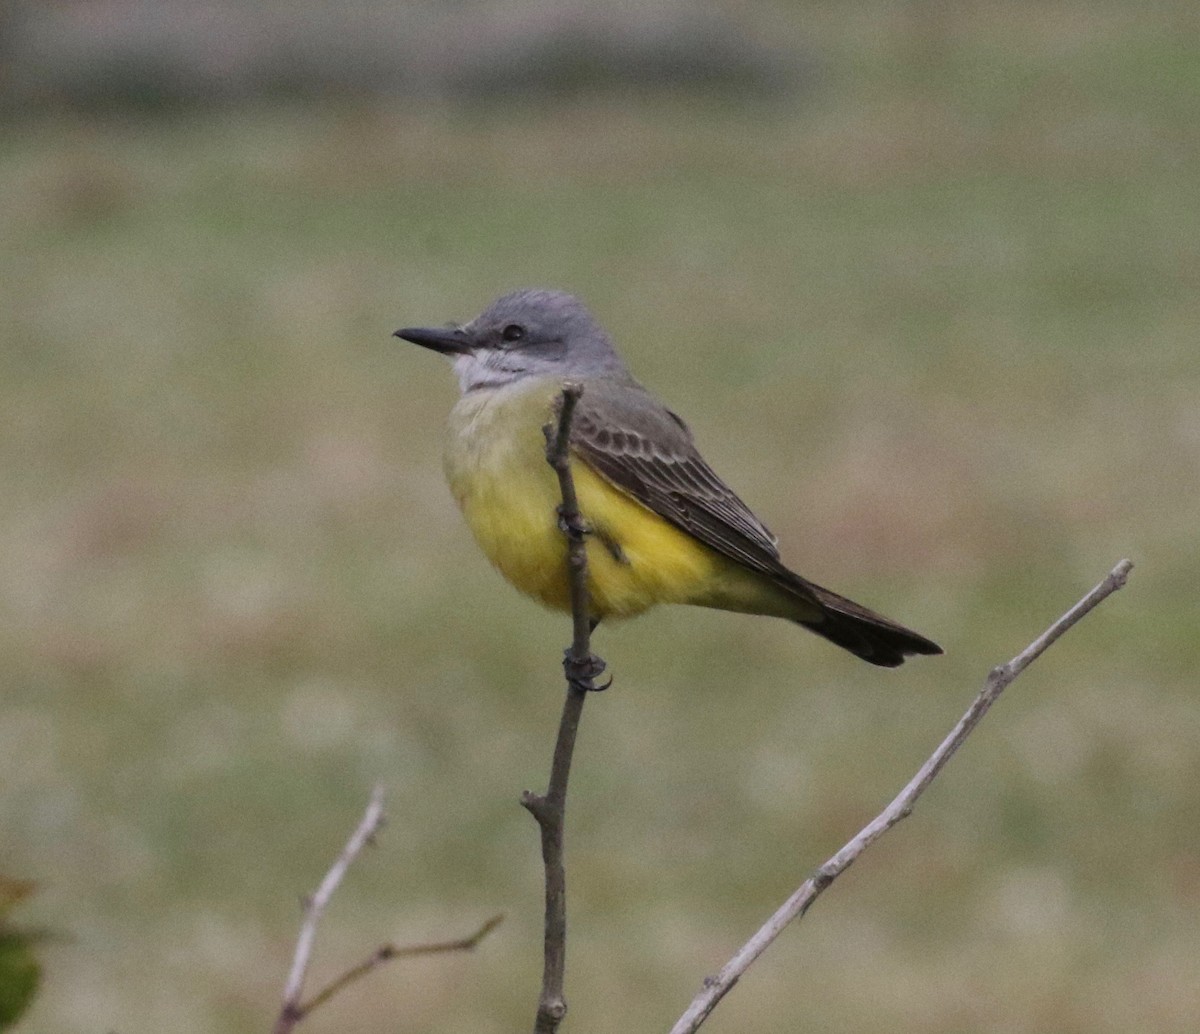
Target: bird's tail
864,633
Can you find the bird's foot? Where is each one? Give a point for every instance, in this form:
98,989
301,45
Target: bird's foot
574,525
582,674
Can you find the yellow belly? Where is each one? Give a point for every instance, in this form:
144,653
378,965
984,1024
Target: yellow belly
496,466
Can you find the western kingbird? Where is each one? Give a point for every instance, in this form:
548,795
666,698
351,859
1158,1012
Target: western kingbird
665,528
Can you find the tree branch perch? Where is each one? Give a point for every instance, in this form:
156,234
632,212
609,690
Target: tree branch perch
715,988
581,668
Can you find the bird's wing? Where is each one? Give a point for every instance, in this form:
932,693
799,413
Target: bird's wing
625,435
644,449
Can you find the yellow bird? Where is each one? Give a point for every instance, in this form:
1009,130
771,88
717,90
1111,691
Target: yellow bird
664,527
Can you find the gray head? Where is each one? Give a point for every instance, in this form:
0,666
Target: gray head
529,333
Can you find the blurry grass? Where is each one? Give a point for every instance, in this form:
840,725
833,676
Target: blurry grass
937,325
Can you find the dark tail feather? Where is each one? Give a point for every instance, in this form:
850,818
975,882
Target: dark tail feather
864,633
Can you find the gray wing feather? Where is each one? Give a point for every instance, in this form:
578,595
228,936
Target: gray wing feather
630,439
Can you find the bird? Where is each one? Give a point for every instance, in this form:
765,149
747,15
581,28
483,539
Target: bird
663,526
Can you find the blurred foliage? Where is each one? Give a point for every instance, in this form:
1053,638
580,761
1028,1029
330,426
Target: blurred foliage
166,55
19,970
935,320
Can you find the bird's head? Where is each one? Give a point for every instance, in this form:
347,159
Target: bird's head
528,333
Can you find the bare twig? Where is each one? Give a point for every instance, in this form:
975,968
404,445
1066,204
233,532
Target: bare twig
581,669
715,988
387,952
292,1011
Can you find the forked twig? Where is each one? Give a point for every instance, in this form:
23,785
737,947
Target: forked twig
294,1009
715,988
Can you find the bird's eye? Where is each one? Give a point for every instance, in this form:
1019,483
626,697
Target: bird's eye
513,332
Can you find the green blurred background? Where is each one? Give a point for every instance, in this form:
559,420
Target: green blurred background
925,279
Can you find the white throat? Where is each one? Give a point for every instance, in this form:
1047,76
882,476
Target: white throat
486,369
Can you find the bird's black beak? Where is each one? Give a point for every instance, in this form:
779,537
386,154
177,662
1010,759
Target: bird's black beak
448,341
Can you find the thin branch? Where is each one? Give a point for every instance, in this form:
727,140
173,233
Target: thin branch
387,952
581,668
715,988
292,1011
580,665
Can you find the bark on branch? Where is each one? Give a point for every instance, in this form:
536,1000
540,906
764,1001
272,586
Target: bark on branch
715,988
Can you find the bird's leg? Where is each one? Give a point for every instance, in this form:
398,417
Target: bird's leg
580,672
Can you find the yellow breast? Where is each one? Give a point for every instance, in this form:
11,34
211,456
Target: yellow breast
496,466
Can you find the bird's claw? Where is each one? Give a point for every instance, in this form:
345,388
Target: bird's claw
575,525
582,674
